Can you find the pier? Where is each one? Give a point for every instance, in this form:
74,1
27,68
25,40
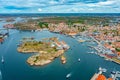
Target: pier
101,70
95,76
117,74
95,40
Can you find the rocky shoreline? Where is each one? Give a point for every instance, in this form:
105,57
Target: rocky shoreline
38,60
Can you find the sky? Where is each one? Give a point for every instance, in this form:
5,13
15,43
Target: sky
59,6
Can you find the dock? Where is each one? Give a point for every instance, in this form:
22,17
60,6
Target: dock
94,76
101,70
97,74
116,75
95,40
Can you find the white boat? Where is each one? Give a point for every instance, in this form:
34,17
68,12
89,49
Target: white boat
79,60
31,30
2,60
106,59
68,75
91,52
0,75
102,69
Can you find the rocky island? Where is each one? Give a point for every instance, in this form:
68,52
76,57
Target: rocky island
47,50
63,59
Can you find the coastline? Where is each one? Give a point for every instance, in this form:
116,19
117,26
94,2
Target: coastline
102,55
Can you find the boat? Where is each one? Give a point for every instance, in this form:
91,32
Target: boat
68,75
2,59
79,60
81,41
106,59
102,69
91,52
1,75
32,31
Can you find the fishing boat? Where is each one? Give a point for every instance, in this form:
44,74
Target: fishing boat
68,75
2,60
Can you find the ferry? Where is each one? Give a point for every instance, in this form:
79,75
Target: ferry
2,60
68,75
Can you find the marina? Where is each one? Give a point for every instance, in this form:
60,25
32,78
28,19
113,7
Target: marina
101,76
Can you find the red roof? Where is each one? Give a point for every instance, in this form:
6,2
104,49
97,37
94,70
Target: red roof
101,77
110,78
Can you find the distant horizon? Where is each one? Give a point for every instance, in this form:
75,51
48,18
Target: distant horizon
57,14
60,13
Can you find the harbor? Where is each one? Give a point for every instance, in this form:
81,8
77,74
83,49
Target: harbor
76,59
75,64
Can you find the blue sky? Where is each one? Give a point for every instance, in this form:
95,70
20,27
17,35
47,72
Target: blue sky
59,6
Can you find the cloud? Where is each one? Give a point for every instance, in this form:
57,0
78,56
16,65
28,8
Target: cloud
59,6
53,2
99,4
106,3
16,8
91,9
39,9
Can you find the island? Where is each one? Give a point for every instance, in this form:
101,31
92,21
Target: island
63,59
47,50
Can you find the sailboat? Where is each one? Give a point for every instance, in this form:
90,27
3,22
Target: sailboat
2,60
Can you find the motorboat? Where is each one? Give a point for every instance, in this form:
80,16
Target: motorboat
102,69
79,60
68,75
2,60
